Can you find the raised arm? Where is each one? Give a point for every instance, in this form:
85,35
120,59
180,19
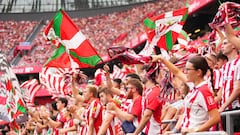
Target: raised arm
113,90
175,70
231,36
75,92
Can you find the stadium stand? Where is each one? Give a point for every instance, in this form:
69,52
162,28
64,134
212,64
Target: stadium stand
12,33
104,31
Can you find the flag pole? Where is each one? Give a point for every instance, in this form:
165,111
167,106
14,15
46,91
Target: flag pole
219,1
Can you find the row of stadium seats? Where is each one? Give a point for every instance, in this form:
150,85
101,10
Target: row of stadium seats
12,33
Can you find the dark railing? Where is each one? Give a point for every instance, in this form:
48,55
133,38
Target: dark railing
229,124
229,120
26,6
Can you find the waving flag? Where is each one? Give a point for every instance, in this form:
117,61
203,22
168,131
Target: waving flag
31,87
163,30
229,12
183,38
57,80
12,105
132,58
73,48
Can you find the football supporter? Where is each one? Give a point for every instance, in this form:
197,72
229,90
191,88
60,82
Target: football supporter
120,94
231,36
61,105
174,110
230,81
109,121
151,105
221,59
94,110
134,90
213,75
200,109
69,127
230,78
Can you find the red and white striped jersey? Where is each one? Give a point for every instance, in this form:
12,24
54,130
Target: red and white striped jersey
82,130
124,101
95,110
168,95
215,85
57,80
110,130
217,74
150,100
69,123
197,104
135,108
230,73
61,119
118,73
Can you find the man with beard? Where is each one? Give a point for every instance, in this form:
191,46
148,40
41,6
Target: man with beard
134,90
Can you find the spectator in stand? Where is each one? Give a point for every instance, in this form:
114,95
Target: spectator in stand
61,106
134,90
199,98
109,121
221,60
213,75
151,105
175,110
94,110
230,77
69,127
117,83
120,94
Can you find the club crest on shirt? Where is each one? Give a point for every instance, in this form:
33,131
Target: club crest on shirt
210,100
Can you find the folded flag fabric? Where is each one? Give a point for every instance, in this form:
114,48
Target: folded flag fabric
12,103
229,12
113,51
73,49
132,58
163,30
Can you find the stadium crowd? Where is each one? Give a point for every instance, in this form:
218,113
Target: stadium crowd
103,31
13,33
190,93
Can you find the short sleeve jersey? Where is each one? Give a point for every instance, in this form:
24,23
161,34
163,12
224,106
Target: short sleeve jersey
197,104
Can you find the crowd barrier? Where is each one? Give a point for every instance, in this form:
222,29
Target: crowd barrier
229,120
205,133
229,124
